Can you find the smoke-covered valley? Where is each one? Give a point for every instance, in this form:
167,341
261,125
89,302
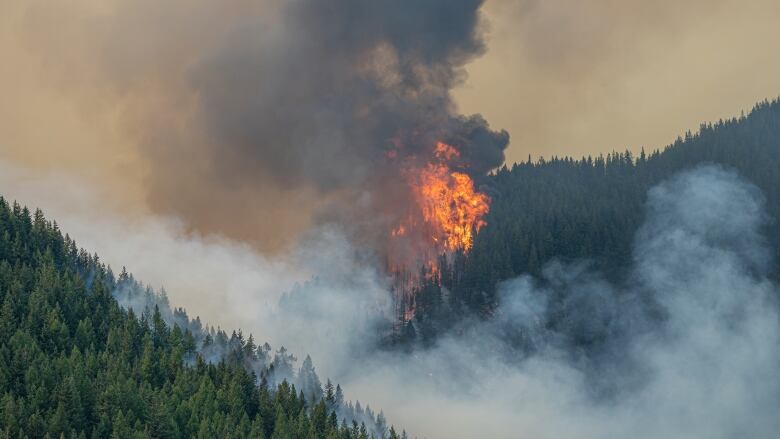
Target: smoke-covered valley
686,346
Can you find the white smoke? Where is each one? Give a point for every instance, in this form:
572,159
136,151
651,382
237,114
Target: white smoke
690,346
322,287
687,347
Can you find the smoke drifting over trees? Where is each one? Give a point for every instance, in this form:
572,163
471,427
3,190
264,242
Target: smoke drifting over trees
686,347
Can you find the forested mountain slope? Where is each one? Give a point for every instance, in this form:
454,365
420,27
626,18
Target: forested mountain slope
589,209
74,363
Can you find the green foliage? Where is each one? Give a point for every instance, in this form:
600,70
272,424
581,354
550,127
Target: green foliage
73,363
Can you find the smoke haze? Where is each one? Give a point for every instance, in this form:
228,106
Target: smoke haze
178,138
687,347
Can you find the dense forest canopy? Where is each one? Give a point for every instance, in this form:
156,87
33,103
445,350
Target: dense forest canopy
588,209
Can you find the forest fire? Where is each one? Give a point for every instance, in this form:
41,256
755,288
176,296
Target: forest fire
449,203
446,213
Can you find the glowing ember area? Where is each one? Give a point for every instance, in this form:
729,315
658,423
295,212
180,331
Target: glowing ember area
443,215
446,214
448,202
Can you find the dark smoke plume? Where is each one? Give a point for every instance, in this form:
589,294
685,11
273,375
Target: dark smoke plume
323,95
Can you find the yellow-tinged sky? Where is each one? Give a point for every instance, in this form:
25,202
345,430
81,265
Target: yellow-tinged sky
582,77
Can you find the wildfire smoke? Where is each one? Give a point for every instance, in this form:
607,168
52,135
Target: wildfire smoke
370,139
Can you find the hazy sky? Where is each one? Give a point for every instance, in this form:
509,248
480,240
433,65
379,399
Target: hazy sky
582,77
98,88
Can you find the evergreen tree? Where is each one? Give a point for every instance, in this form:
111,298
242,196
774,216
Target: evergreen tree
76,364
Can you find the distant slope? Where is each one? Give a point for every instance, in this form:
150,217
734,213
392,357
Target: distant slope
590,209
75,364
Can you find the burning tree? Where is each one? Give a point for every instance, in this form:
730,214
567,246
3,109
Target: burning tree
445,213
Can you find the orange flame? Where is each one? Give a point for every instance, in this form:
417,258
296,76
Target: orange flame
447,213
449,203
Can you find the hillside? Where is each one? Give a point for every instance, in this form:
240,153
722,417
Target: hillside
85,352
74,363
589,209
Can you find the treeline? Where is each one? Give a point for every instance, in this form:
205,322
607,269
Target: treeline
587,209
76,364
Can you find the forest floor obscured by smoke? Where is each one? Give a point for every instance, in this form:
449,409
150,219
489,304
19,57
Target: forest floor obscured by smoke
687,346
